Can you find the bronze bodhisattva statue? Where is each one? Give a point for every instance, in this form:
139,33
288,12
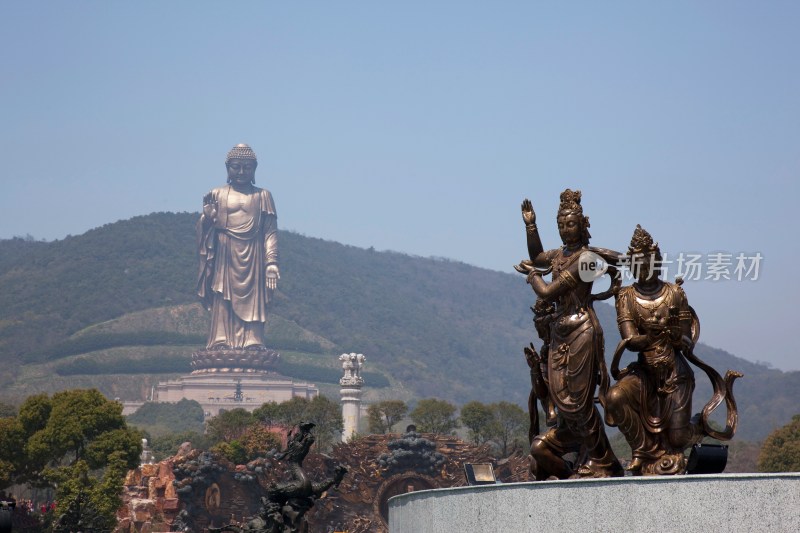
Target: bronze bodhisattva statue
652,400
573,365
238,248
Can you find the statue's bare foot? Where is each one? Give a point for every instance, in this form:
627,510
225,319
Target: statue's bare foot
220,347
591,469
635,465
255,348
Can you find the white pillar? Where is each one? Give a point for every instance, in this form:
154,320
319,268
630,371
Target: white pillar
351,384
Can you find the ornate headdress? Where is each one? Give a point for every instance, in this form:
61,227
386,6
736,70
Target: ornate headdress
241,151
642,242
570,202
571,205
643,251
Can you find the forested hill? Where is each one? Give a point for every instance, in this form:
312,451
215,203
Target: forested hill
441,328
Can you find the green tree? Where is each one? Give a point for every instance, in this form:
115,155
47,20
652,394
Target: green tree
87,502
292,412
327,415
255,441
7,410
479,419
163,418
166,446
781,449
270,414
34,413
258,440
80,425
12,445
241,436
229,425
77,442
382,416
511,426
434,416
232,451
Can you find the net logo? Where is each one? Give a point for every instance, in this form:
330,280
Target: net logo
591,266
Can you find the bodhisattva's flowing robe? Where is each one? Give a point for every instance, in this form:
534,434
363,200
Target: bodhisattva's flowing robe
235,249
576,367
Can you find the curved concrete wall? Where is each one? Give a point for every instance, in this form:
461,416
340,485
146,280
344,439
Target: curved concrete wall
683,504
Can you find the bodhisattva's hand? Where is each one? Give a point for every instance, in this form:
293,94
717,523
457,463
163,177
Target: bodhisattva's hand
524,267
639,343
675,333
532,357
273,275
528,214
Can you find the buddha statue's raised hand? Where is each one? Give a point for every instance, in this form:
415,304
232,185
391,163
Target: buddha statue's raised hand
210,207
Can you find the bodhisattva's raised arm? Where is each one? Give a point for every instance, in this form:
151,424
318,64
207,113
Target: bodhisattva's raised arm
534,241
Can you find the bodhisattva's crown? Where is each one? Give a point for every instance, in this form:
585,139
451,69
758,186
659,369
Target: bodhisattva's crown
642,242
571,202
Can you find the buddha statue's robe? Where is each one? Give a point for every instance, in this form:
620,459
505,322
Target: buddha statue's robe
236,246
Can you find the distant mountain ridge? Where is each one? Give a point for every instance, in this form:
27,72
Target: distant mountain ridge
437,327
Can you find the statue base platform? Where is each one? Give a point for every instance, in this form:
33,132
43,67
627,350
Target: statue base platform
232,389
237,360
686,503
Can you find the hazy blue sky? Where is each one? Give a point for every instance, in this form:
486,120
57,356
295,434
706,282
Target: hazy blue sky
420,126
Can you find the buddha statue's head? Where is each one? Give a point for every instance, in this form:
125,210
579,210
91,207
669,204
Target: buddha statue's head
645,256
241,164
573,226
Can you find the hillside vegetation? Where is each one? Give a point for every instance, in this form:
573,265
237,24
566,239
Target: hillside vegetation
434,327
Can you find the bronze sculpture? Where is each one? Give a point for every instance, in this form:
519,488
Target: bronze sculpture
543,313
652,399
574,366
283,509
238,248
